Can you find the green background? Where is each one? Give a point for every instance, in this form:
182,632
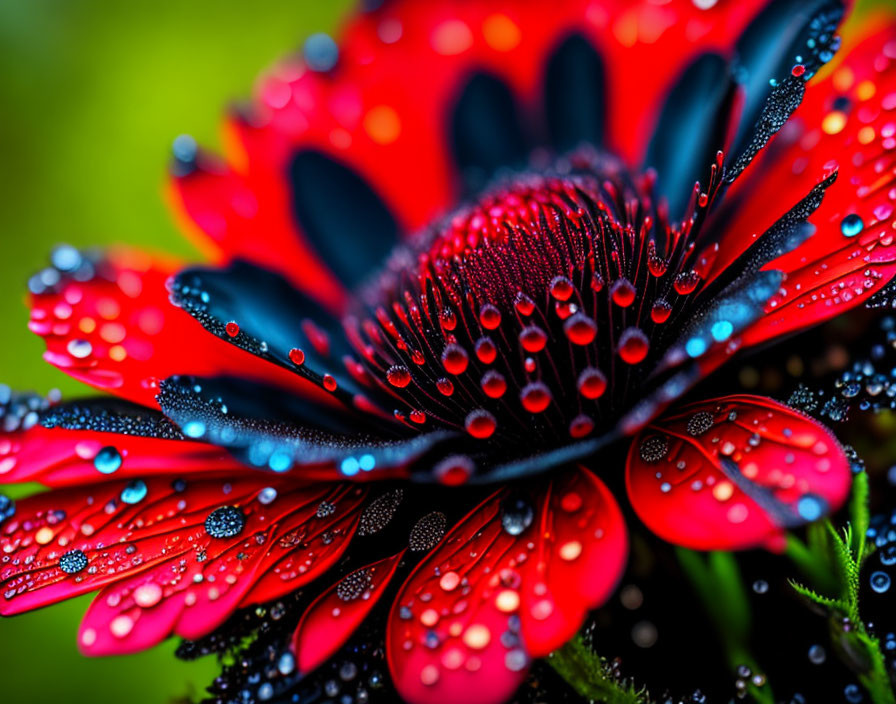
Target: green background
92,93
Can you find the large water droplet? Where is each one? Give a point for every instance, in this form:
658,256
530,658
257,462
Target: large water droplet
107,460
880,582
73,562
399,376
134,492
516,514
225,522
851,225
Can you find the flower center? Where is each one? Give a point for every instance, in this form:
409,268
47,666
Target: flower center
534,315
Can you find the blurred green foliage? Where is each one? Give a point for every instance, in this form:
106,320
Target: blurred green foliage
91,95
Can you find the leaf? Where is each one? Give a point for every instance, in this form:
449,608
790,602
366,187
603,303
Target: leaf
826,602
860,515
589,674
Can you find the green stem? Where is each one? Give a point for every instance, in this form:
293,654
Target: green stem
587,673
813,566
719,586
877,680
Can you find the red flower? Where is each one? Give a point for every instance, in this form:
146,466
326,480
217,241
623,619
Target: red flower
487,370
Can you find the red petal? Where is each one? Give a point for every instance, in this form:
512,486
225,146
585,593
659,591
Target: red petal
484,602
384,129
336,613
224,211
193,593
846,122
57,457
119,332
119,536
734,472
122,529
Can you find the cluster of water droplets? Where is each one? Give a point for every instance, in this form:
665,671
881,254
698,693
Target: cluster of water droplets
536,313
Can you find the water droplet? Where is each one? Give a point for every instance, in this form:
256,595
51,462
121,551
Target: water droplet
73,561
810,507
660,311
524,305
321,52
516,660
427,532
486,350
489,316
445,386
454,359
354,585
134,492
232,329
516,514
699,423
399,376
449,581
561,288
592,383
580,329
454,470
194,429
225,522
571,550
654,448
493,384
536,397
147,595
286,664
533,338
79,349
7,508
580,426
880,581
107,460
480,423
851,225
296,356
633,345
817,655
267,495
623,293
721,330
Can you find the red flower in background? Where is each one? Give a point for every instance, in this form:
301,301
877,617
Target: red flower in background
431,436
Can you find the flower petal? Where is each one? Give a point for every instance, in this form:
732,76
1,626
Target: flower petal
513,580
114,529
337,612
337,125
259,311
86,441
734,472
846,124
195,587
268,428
108,322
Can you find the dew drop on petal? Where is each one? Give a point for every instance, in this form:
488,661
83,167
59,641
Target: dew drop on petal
107,460
851,225
517,514
633,345
225,522
134,492
399,376
73,561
